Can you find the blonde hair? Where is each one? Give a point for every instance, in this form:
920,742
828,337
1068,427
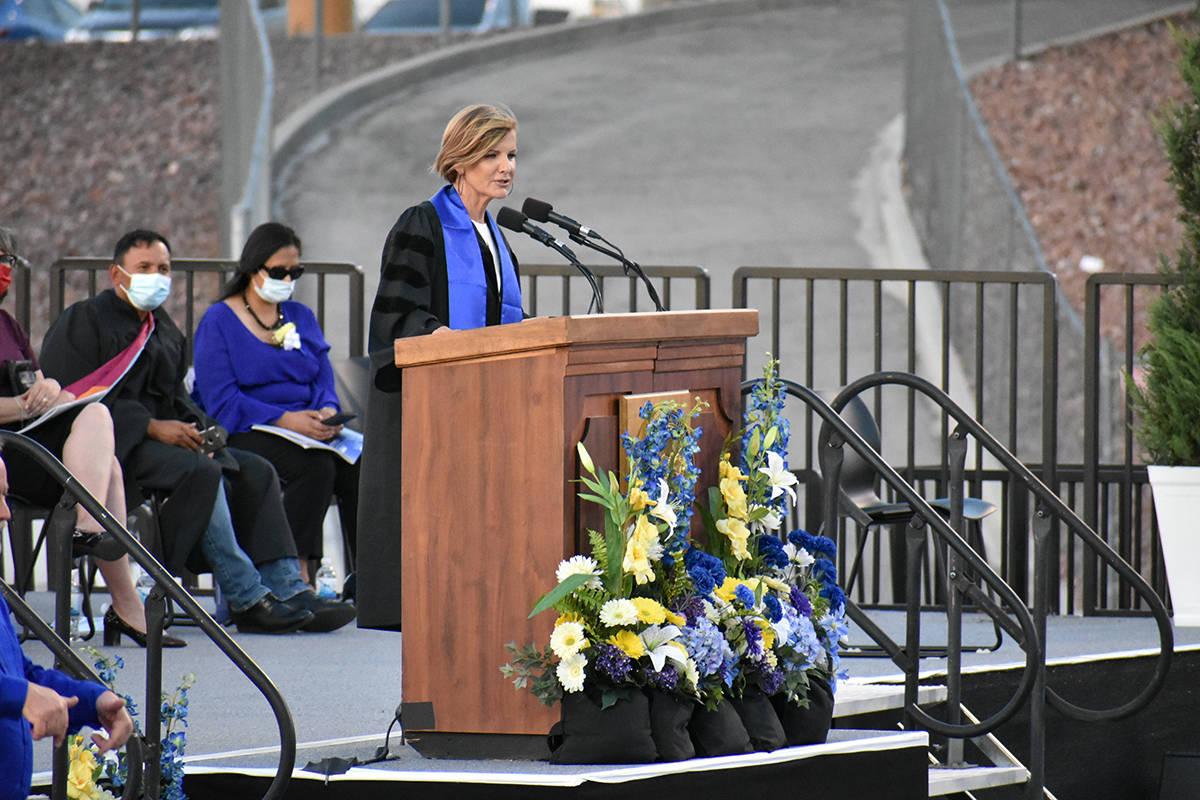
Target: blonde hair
469,135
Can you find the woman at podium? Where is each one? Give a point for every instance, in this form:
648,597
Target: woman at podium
446,266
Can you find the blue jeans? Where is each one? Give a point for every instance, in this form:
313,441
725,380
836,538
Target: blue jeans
243,584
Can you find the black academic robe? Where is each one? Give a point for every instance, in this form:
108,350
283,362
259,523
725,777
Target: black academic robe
412,300
89,334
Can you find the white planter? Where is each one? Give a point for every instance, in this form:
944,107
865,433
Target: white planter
1177,504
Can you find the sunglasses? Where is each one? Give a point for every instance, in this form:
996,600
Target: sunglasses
279,273
10,259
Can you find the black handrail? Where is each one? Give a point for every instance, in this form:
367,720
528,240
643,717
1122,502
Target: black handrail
1052,505
168,585
70,662
907,658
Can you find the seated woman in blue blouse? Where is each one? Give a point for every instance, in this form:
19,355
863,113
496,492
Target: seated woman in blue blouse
261,359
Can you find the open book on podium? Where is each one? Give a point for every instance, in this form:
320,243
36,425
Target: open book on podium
491,419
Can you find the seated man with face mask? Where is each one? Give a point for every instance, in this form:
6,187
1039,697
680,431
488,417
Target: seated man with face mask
224,510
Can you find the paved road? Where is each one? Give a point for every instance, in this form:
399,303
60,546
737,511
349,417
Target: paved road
728,142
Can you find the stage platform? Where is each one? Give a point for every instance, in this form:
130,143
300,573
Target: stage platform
343,689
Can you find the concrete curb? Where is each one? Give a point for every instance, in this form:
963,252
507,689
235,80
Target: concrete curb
294,135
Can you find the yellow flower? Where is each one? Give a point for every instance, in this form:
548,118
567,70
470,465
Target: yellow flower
725,590
568,617
638,499
729,470
735,498
650,611
676,619
642,547
737,533
628,643
79,779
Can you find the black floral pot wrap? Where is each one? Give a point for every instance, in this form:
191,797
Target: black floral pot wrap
718,732
669,718
759,718
807,725
619,734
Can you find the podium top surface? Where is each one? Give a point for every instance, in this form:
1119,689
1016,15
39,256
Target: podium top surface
539,333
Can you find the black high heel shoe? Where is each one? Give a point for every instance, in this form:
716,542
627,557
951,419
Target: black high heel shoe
114,626
97,544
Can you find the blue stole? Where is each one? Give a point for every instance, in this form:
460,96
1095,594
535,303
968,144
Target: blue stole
466,282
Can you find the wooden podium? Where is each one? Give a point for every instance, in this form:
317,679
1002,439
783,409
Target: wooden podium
491,419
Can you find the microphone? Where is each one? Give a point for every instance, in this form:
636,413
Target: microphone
581,234
544,212
516,221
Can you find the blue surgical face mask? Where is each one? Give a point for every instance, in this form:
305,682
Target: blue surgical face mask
274,291
147,291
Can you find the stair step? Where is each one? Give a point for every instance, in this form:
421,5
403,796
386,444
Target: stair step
945,780
866,698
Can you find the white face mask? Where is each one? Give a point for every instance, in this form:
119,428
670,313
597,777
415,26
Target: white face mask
147,291
274,291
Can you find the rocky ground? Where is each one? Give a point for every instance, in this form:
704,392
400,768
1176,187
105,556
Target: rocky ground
99,137
1075,126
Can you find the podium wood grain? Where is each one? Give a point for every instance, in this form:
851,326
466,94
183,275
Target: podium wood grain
491,418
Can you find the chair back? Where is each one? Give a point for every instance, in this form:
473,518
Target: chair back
857,477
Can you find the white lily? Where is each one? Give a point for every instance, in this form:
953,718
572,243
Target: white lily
657,639
662,509
780,477
798,555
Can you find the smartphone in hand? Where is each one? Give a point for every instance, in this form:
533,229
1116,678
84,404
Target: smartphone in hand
338,419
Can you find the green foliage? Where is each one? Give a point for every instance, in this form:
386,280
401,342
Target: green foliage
533,669
1168,405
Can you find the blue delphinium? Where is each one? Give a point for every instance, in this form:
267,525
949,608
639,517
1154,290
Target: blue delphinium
754,640
764,411
667,450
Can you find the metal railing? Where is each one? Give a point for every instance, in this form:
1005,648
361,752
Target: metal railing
1115,487
564,280
166,586
247,90
202,279
1049,511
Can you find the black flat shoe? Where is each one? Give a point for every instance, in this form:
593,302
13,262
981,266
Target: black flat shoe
328,614
271,615
98,544
114,626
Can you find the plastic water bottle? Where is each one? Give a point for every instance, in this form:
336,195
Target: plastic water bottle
77,624
327,579
143,586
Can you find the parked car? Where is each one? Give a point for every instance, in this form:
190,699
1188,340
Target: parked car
424,16
36,19
183,19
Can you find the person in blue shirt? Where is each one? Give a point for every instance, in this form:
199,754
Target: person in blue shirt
37,702
261,359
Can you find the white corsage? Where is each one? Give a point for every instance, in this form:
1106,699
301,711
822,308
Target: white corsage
286,337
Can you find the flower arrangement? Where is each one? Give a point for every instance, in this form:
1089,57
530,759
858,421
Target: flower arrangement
174,741
779,605
650,610
618,629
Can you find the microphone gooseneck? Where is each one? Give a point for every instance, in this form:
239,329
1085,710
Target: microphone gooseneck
581,234
516,221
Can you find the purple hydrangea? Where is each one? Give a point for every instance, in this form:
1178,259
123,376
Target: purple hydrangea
666,679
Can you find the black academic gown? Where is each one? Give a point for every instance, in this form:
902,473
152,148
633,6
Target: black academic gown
412,300
92,332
